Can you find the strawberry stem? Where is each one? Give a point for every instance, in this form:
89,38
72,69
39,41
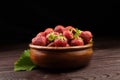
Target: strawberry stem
61,37
52,37
77,33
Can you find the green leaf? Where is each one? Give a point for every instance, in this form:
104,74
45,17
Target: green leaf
24,63
52,37
77,33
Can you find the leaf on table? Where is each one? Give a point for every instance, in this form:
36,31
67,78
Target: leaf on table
24,63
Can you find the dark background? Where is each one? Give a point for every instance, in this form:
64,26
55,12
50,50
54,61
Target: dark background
21,21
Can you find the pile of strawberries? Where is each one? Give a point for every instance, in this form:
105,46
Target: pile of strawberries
62,36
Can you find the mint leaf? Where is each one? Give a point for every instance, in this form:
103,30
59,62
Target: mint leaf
24,63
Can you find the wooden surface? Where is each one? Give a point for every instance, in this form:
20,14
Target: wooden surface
105,64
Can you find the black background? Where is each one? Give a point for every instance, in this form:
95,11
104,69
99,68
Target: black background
21,21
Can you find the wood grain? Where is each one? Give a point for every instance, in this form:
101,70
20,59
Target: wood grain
105,65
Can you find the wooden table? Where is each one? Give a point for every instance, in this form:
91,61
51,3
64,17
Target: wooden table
105,64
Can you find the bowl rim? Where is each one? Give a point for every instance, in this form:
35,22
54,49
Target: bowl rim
60,48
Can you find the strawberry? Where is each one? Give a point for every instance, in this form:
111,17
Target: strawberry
59,28
70,28
39,40
48,30
51,44
41,34
56,33
61,41
77,42
87,36
52,36
67,45
68,34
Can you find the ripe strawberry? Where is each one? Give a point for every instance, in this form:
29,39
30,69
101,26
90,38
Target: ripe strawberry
56,33
70,28
68,34
48,30
51,36
87,36
77,42
59,28
51,44
67,45
39,40
61,41
41,34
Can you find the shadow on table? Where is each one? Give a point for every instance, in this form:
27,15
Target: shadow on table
54,71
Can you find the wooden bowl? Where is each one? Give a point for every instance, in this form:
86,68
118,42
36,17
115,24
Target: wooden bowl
61,57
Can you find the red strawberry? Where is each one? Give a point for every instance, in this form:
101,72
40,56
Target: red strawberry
77,42
51,36
71,28
87,36
48,30
51,44
68,34
39,40
67,45
61,41
41,34
59,28
56,33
